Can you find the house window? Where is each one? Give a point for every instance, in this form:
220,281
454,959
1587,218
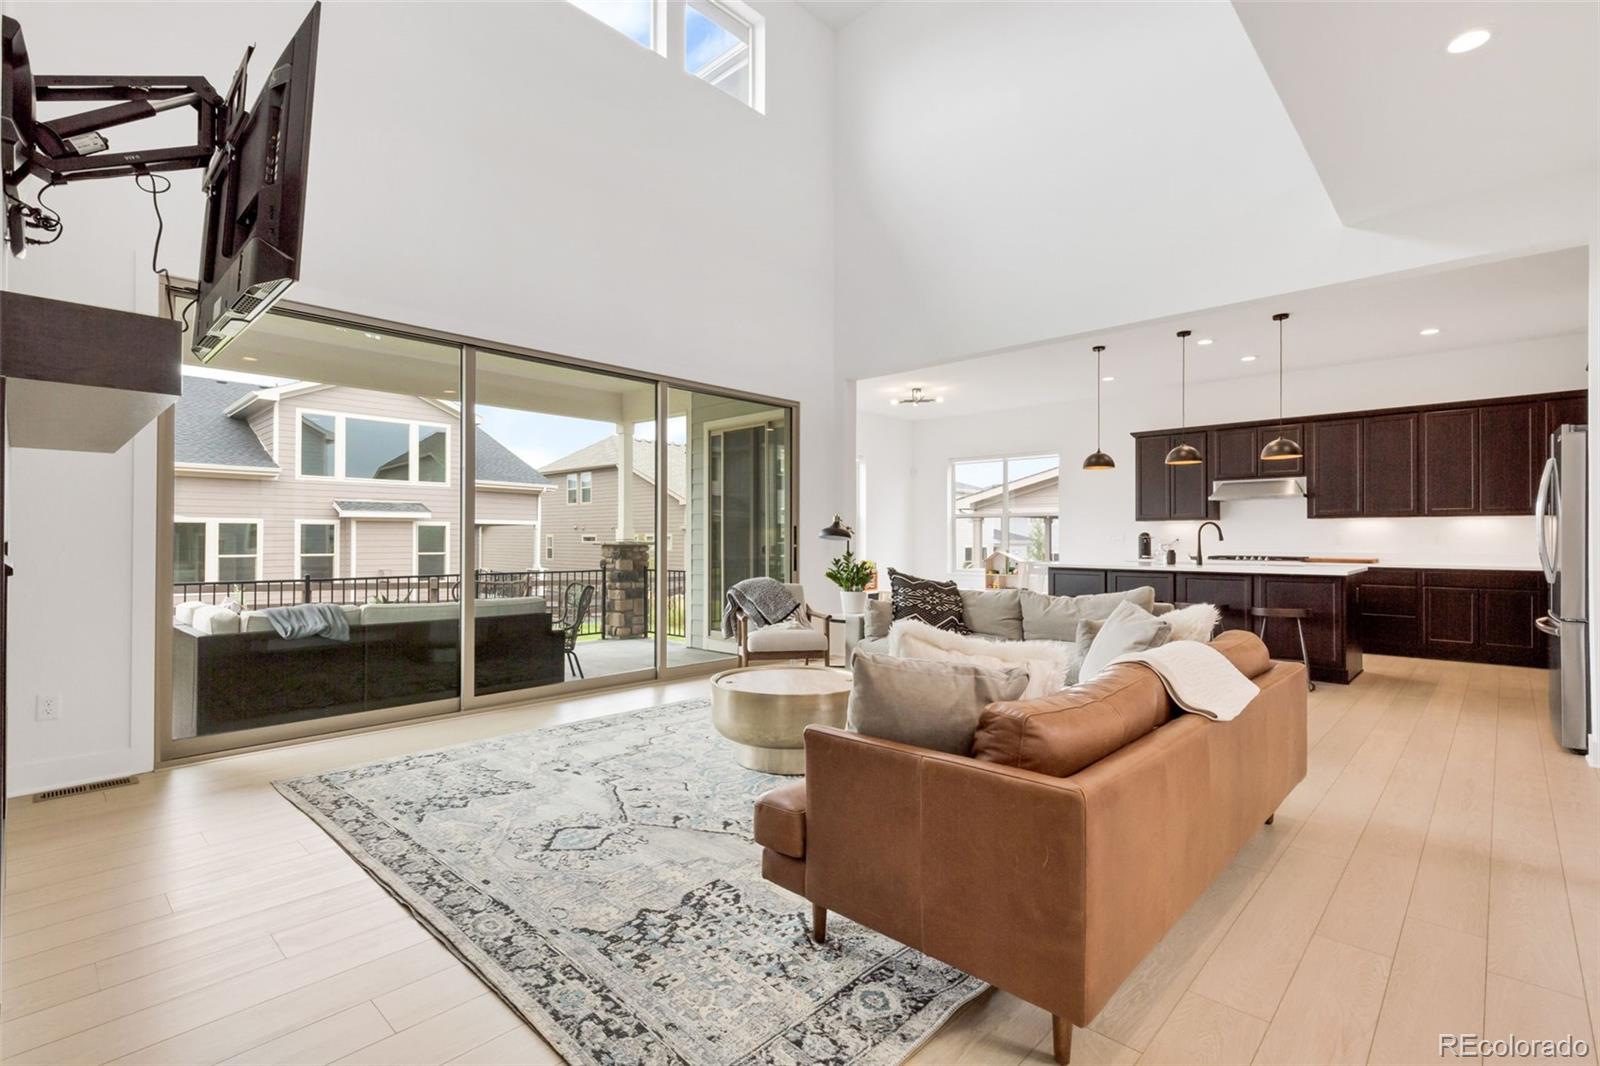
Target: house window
586,486
718,47
216,549
1004,511
317,445
189,551
634,19
317,549
589,538
373,449
718,41
433,544
549,546
572,488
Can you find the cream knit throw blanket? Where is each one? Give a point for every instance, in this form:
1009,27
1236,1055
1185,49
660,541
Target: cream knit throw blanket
1199,678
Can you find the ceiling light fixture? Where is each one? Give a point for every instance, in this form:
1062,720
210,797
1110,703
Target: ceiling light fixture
1466,42
249,358
1281,448
1098,459
1203,341
917,398
1185,454
1108,377
1247,359
372,336
1431,331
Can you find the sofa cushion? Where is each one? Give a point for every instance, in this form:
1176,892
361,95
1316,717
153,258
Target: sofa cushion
926,703
258,622
787,638
183,614
780,822
1057,617
1130,628
993,612
938,603
379,613
215,619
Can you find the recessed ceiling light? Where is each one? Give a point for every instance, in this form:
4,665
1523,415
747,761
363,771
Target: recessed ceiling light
249,358
1108,377
1247,359
1203,341
1430,331
1466,42
372,336
449,392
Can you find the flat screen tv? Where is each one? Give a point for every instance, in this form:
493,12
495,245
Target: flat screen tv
255,198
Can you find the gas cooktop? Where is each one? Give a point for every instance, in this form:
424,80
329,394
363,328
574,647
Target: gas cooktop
1259,558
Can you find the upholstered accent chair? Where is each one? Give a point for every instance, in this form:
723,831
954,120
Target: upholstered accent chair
785,643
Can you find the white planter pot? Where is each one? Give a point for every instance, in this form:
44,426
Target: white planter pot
852,602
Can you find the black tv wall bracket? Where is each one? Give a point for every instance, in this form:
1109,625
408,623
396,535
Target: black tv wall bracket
72,148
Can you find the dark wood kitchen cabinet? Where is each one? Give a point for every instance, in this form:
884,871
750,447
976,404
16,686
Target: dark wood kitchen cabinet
1333,484
1126,580
1477,458
1511,454
1390,446
1482,616
1327,646
1162,492
1232,593
1450,462
1076,582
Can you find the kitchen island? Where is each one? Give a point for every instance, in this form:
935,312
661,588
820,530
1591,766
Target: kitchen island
1325,590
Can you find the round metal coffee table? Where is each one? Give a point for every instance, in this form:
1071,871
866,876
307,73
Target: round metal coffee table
764,710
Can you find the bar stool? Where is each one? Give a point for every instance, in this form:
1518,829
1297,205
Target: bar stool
1299,614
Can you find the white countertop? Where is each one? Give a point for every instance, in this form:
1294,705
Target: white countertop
1224,567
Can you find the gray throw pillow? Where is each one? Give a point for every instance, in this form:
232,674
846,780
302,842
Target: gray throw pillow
1057,617
880,616
1130,628
925,702
993,612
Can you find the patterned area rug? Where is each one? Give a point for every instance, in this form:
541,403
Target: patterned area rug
601,876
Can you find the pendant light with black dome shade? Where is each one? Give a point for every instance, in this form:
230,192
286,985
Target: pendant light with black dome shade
1281,448
1097,459
1185,454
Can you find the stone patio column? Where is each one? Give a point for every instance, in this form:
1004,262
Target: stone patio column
626,612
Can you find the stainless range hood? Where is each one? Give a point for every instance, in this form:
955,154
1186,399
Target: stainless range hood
1258,488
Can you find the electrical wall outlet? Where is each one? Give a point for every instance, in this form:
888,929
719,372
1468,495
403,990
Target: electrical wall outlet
47,709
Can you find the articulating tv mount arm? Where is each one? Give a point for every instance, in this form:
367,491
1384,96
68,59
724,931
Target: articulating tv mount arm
72,149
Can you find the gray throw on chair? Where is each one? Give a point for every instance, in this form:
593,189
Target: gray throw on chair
764,600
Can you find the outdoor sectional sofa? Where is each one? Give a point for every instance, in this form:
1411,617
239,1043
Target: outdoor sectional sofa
232,671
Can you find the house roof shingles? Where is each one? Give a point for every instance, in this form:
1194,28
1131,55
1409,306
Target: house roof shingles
496,462
202,434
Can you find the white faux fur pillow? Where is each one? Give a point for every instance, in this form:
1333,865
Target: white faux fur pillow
1198,621
1048,662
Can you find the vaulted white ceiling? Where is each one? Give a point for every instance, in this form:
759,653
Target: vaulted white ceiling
1392,120
1010,173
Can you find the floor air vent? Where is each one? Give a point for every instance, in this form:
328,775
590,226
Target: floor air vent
78,790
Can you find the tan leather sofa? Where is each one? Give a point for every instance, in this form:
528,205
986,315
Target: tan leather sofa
1050,861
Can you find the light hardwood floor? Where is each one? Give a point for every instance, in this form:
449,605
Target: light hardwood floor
1437,871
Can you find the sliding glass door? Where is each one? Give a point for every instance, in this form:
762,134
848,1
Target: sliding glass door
364,524
737,455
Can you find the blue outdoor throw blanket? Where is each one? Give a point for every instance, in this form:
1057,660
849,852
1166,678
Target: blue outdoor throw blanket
309,620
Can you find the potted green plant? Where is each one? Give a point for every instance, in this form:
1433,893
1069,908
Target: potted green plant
852,575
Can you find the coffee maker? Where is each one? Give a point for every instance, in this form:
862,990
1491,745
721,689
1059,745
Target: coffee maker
1144,545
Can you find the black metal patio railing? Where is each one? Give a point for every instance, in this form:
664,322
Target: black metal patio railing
439,588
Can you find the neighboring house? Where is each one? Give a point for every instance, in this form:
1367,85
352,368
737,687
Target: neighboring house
333,481
582,511
1035,510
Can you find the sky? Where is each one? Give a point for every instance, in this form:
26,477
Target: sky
704,40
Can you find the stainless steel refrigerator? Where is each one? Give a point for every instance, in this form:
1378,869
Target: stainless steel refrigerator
1560,514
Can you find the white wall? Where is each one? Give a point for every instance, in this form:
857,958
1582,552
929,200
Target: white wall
1097,508
886,462
1015,172
520,173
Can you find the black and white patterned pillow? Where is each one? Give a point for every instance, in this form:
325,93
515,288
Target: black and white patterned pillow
937,603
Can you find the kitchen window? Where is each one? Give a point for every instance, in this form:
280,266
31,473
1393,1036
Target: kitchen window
216,549
1004,511
316,549
432,548
720,42
347,447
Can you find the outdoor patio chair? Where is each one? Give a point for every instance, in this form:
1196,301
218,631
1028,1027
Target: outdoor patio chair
574,606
